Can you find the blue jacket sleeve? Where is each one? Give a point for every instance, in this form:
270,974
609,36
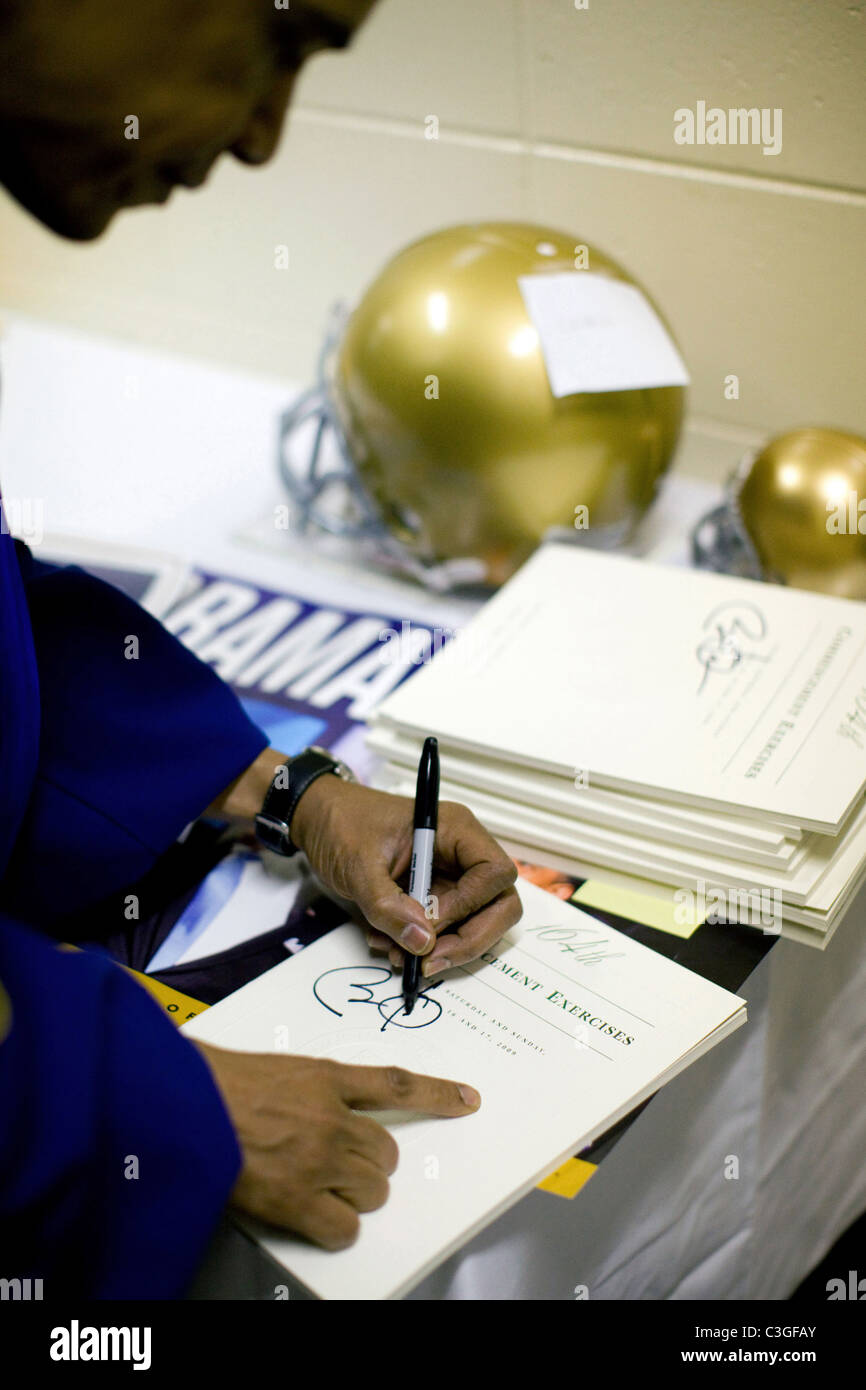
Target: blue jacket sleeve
116,1153
137,738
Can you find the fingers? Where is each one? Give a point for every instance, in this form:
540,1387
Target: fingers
331,1218
480,895
480,866
392,913
379,942
477,935
374,1143
328,1220
394,1088
311,1162
365,1186
479,886
483,929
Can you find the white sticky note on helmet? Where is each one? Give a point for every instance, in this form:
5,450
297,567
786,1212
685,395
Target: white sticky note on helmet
599,334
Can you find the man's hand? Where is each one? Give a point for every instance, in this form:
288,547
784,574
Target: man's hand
310,1162
359,843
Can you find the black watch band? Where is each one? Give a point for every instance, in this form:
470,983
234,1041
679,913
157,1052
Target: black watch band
291,780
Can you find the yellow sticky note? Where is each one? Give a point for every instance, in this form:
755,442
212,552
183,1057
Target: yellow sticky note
569,1178
650,909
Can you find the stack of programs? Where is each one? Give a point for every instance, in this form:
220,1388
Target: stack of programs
703,734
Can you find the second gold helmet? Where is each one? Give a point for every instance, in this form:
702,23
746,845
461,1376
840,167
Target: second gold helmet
795,513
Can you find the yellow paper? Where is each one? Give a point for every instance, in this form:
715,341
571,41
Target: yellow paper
179,1006
647,908
569,1178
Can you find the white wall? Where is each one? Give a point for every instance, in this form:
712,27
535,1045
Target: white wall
546,113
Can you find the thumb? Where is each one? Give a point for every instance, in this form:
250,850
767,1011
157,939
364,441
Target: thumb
390,910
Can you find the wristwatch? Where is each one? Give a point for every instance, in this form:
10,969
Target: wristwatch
291,780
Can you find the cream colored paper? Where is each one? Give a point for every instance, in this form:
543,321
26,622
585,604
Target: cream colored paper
688,686
541,1027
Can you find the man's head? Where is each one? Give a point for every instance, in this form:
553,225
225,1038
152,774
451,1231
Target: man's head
105,105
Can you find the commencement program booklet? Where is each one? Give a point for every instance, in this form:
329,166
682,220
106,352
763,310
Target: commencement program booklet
699,688
564,1027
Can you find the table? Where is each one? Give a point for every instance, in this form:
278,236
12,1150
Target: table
119,444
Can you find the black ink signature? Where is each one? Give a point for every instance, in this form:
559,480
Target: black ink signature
722,650
370,979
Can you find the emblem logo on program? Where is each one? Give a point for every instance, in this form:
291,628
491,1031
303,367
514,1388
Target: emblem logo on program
731,631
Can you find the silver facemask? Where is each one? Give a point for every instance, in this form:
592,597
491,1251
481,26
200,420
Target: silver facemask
328,496
720,541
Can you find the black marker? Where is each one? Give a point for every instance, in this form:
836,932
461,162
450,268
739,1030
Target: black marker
421,872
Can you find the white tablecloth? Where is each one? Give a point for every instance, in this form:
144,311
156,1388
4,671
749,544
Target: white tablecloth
660,1219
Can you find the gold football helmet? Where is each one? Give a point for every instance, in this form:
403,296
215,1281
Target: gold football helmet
456,455
793,515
